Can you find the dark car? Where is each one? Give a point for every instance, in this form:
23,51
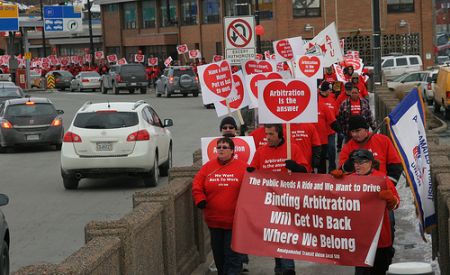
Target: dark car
7,92
30,121
62,79
5,240
178,80
129,77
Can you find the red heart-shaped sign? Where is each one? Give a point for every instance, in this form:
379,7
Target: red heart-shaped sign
259,77
253,67
287,101
218,78
353,62
193,53
217,58
241,149
112,58
236,101
99,55
64,61
182,48
284,49
139,58
153,61
309,65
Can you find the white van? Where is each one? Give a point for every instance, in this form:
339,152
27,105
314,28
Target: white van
393,66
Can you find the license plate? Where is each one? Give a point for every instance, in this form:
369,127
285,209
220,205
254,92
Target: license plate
32,137
176,91
133,84
107,146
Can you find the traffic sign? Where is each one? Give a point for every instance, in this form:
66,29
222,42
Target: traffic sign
239,38
62,19
9,18
28,55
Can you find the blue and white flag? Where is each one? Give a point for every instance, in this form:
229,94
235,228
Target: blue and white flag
407,128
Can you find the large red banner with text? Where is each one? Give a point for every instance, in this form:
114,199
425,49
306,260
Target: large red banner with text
309,217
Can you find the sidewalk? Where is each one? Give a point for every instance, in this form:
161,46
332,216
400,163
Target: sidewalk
408,244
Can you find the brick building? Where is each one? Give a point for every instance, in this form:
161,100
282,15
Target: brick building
156,26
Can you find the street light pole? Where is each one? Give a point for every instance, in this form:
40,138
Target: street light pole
376,47
43,29
258,38
91,39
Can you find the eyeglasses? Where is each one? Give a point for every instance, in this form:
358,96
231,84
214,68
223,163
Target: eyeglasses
228,128
222,147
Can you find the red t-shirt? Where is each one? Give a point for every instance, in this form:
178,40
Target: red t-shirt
273,158
380,145
329,101
325,119
355,107
362,88
219,185
305,136
329,77
259,136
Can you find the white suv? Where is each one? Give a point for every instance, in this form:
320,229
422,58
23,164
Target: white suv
107,139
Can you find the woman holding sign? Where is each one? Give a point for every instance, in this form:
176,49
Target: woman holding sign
215,190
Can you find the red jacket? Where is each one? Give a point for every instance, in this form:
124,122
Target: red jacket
259,136
273,158
385,239
305,136
325,119
362,88
380,145
219,185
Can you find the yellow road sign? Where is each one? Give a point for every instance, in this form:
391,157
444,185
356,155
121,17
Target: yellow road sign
9,11
28,55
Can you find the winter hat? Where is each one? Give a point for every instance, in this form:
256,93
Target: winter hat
348,86
357,122
361,154
228,120
325,86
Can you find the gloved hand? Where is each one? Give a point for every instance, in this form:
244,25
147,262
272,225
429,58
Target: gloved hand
295,167
388,196
349,164
337,173
250,169
202,204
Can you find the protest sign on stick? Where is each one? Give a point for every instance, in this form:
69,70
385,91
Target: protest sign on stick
244,148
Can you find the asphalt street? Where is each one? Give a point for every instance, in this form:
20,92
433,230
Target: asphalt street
46,221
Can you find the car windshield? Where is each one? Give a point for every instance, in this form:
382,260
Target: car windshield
105,120
10,92
35,109
90,74
63,73
181,72
132,70
400,77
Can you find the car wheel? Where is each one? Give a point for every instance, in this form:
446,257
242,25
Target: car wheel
70,183
143,90
103,89
436,108
164,170
132,91
195,94
166,92
4,259
58,146
430,102
158,95
115,90
185,95
3,149
447,113
151,179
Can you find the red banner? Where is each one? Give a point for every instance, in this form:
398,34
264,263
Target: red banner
309,217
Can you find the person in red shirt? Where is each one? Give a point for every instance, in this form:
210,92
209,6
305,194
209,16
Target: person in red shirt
327,100
215,190
259,136
364,164
306,137
359,83
273,157
329,75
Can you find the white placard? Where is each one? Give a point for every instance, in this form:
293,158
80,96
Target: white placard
287,49
239,99
216,81
251,82
309,66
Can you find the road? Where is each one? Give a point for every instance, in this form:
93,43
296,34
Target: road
46,221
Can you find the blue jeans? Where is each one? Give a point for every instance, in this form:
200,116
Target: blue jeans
331,152
282,265
227,261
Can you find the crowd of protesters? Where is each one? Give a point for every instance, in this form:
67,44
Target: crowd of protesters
344,120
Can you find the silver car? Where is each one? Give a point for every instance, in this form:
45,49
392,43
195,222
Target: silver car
5,239
178,80
85,81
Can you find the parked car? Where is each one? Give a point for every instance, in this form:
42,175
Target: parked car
407,81
62,79
85,81
109,139
442,92
7,84
129,77
30,121
396,65
5,238
443,44
431,82
178,80
10,93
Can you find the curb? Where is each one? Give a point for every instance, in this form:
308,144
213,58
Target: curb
439,129
203,268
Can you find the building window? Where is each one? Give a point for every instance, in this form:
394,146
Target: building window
246,7
304,8
148,14
111,8
113,50
188,12
394,6
211,11
168,18
219,48
129,10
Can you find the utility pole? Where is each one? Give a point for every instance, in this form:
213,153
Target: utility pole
91,39
258,38
43,29
376,47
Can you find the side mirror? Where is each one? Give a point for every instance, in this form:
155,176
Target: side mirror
59,112
4,200
168,122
